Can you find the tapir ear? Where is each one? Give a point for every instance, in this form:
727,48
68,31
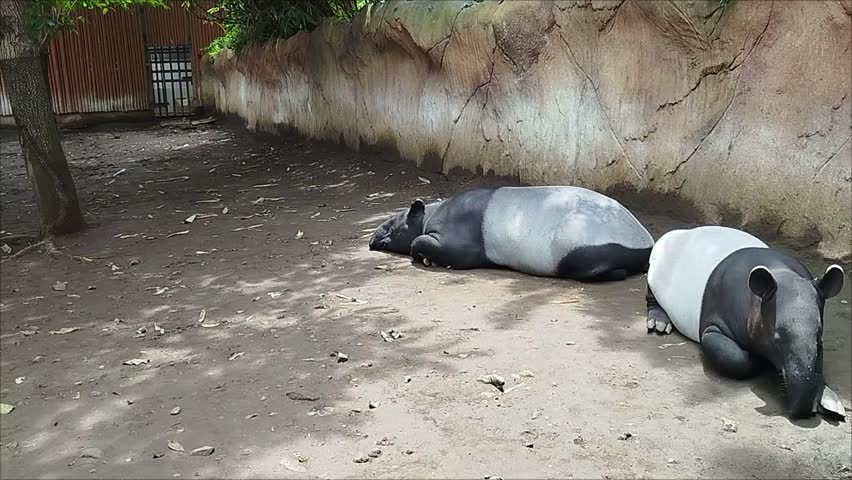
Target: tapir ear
831,282
761,282
417,208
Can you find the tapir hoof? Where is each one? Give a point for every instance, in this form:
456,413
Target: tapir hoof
660,324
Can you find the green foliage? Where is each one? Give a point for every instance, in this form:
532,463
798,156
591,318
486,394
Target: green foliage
254,21
45,18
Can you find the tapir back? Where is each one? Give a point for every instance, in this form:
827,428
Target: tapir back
531,229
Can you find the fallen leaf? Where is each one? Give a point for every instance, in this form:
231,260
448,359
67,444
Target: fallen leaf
175,446
160,291
669,345
6,409
316,215
560,302
175,234
204,451
424,181
496,380
63,331
60,286
190,218
302,397
390,335
20,380
225,211
92,453
175,411
136,361
160,330
299,235
236,355
6,248
202,316
209,325
250,416
292,466
373,404
341,357
240,229
119,172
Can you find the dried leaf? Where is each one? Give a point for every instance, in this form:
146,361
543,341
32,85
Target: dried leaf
424,181
225,211
562,302
136,361
202,316
174,411
236,355
20,380
302,397
64,330
190,218
299,235
830,402
160,330
210,325
6,248
341,357
204,451
669,345
119,172
175,446
240,229
60,286
160,291
175,234
496,380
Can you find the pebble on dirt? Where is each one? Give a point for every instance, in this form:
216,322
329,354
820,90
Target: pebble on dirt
60,286
6,409
729,426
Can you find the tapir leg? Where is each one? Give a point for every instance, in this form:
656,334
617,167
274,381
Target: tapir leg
443,254
658,319
725,356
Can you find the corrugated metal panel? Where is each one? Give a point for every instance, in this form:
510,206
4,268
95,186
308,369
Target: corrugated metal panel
102,66
5,108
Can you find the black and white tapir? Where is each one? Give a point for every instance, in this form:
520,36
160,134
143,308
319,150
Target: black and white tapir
556,231
748,305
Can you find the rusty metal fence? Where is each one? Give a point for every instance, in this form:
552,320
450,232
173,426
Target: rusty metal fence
105,65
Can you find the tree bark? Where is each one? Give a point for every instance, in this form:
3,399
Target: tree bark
23,66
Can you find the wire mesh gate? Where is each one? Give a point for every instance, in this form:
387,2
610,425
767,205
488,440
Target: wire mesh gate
171,79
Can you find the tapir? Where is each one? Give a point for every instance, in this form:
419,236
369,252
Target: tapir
553,231
748,305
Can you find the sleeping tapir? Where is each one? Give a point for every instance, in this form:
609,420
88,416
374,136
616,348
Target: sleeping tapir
568,232
749,306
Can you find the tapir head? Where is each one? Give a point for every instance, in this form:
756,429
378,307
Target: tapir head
791,317
397,233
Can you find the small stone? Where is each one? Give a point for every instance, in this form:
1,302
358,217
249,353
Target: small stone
60,286
408,379
729,426
409,452
625,436
529,444
374,404
5,408
375,453
95,453
159,455
175,411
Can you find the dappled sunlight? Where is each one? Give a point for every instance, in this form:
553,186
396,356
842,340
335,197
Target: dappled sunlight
247,338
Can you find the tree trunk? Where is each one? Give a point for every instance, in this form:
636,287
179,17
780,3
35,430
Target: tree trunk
22,63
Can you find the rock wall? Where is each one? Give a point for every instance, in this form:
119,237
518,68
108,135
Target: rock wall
742,111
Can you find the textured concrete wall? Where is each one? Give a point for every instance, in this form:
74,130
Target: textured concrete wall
743,111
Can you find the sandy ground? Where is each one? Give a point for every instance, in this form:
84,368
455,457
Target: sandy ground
588,393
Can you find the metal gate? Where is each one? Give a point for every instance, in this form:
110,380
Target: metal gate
171,79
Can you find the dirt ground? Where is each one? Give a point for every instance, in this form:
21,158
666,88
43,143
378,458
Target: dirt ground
276,263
